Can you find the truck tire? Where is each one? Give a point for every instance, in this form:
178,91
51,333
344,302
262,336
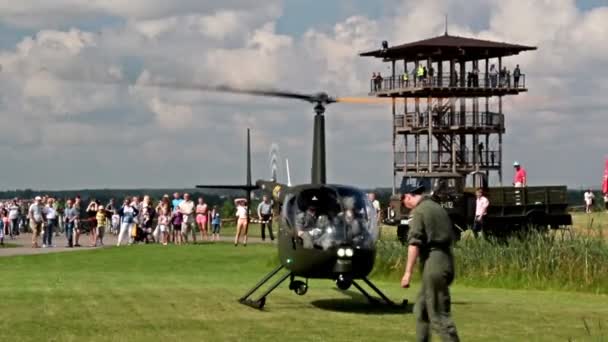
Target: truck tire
536,222
402,233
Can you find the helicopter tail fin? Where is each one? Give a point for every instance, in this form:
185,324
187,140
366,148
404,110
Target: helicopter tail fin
288,173
248,186
248,158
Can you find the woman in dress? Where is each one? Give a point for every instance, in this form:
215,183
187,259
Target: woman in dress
91,218
202,218
128,212
163,225
242,222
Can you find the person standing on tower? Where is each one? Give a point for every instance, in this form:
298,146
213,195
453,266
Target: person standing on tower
493,76
521,178
419,74
516,74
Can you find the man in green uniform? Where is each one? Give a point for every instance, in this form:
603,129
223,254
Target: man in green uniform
430,238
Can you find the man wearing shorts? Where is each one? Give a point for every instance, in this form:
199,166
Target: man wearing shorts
265,216
35,217
186,209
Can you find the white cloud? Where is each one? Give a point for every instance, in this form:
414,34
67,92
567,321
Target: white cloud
43,13
171,116
236,42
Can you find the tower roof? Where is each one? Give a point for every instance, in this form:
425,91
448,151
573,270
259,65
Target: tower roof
447,47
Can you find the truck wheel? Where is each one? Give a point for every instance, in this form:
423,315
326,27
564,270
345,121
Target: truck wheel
535,223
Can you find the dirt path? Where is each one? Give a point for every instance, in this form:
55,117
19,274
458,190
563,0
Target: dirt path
24,244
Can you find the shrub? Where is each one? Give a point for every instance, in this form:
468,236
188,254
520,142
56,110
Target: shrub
557,260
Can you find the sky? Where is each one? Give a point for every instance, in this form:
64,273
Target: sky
72,135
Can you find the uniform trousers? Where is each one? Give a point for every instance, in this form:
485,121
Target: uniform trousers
432,308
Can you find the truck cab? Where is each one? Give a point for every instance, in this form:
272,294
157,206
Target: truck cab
447,189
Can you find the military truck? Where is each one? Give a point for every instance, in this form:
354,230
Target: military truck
511,210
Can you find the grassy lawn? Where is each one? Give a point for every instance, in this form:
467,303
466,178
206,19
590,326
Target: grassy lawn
594,224
189,293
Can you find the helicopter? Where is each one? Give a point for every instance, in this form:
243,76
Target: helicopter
326,231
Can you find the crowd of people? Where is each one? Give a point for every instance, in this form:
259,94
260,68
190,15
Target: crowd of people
136,220
421,76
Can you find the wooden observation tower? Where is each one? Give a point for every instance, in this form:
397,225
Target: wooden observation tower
447,94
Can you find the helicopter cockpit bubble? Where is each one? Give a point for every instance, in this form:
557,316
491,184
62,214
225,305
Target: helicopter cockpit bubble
332,216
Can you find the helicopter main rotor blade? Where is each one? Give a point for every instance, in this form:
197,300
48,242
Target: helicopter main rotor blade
366,100
177,85
227,89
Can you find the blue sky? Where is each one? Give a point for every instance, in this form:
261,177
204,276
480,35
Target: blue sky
300,15
589,4
37,113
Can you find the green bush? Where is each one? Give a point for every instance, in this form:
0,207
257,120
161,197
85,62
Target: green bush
574,262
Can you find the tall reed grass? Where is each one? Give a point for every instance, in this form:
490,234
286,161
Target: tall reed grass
564,260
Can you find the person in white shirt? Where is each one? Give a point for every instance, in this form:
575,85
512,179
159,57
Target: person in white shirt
13,216
115,223
589,197
51,222
606,201
127,214
481,210
375,204
242,222
36,218
186,208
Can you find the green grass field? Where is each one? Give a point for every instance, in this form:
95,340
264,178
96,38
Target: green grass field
189,293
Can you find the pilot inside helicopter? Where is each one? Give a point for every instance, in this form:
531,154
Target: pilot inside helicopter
326,218
306,222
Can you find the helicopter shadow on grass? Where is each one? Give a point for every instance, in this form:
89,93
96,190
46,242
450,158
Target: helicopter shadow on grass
358,303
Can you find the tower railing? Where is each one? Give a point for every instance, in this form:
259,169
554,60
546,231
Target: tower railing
467,159
419,120
471,81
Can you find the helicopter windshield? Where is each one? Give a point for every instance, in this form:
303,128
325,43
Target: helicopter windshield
328,217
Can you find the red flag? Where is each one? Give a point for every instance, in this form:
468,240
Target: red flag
605,183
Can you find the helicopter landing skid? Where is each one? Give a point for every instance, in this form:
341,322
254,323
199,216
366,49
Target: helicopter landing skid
378,292
261,301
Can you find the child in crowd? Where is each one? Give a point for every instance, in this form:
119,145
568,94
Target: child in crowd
176,221
147,218
216,222
101,225
115,222
163,225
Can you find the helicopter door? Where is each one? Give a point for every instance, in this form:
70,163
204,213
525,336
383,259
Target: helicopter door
314,213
